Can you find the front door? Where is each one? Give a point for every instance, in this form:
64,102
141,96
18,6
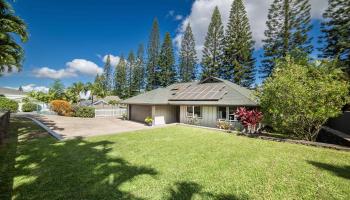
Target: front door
177,113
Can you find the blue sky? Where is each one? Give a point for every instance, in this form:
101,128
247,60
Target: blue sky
68,39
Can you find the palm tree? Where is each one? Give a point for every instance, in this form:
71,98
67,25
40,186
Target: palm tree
11,53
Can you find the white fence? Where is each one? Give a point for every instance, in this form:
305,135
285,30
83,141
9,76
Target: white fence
116,112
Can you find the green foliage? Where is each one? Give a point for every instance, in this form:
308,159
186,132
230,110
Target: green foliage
239,47
213,46
188,57
288,25
40,96
130,66
120,79
138,72
97,88
148,120
72,92
30,107
336,30
108,74
84,112
167,73
56,91
8,105
299,98
11,53
153,51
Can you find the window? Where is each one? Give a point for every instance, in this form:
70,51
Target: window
189,111
231,115
197,111
222,112
194,111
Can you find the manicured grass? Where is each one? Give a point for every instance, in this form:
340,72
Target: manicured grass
168,163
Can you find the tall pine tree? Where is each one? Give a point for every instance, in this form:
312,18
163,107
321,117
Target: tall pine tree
120,79
139,70
188,57
336,31
131,64
212,59
108,75
153,51
239,47
288,25
167,74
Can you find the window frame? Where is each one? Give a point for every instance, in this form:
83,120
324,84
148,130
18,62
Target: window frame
192,114
219,113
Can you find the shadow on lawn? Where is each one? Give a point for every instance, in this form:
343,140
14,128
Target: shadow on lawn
73,169
341,171
187,190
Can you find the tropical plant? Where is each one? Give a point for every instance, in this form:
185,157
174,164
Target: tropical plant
299,98
250,119
56,91
72,93
30,107
11,53
61,107
8,105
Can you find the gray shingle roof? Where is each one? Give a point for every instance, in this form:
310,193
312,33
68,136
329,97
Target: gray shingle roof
211,91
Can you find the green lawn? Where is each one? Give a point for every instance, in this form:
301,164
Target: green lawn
167,163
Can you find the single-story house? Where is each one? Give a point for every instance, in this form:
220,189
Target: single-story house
101,103
206,102
14,94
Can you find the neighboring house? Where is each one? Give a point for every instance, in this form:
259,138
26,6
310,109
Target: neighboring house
205,102
14,95
101,103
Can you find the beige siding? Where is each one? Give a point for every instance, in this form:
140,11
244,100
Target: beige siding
164,115
139,112
209,115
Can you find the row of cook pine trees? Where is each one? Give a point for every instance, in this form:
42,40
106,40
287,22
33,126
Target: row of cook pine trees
229,54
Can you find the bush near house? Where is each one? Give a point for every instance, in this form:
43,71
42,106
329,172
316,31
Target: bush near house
61,107
299,97
30,107
84,112
8,105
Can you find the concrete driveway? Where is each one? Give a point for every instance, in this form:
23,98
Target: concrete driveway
70,127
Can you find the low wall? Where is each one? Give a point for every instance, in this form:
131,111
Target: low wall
341,123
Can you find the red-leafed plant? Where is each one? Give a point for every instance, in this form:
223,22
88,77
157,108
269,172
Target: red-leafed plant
249,118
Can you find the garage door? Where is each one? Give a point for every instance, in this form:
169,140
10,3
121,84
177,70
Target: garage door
139,112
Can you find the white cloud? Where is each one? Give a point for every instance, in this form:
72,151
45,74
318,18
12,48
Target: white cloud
114,59
33,87
257,12
46,72
74,67
178,17
174,16
84,66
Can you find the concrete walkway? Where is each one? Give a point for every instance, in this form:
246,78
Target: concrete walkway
70,127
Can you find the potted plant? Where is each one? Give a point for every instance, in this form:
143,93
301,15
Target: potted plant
149,121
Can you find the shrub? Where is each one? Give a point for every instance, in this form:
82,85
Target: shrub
149,120
84,112
249,118
300,97
8,105
225,125
30,107
61,107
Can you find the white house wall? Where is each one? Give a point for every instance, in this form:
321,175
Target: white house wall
209,116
